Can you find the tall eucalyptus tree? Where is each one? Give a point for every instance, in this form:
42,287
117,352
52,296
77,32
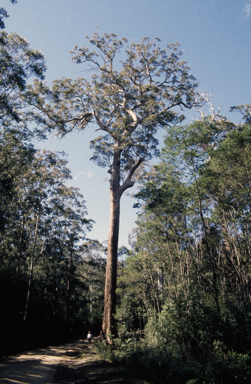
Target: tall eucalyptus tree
128,101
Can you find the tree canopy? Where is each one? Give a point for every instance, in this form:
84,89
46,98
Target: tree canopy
127,100
187,281
18,63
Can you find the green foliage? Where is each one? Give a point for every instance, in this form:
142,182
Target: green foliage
49,263
93,275
4,14
44,287
18,63
190,263
128,102
158,363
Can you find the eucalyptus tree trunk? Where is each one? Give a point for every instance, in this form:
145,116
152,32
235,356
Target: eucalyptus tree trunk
108,326
69,283
19,255
31,271
208,251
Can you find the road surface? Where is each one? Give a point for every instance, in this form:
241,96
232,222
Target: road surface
38,366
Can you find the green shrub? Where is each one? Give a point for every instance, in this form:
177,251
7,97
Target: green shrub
158,364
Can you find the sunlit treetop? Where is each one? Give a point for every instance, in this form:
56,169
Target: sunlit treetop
127,99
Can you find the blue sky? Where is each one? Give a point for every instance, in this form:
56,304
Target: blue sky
214,35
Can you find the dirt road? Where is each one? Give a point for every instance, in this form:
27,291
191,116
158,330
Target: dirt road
38,366
67,364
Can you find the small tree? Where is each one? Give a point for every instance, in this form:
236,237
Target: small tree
128,101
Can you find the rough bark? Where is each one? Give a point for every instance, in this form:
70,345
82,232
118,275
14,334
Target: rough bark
19,255
31,271
108,326
69,281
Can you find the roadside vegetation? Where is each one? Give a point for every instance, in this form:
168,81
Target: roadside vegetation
184,290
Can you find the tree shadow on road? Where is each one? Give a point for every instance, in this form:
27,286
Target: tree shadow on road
92,372
25,371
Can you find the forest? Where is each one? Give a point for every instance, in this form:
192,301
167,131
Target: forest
179,307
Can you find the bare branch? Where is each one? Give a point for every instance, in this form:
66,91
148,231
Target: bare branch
128,183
